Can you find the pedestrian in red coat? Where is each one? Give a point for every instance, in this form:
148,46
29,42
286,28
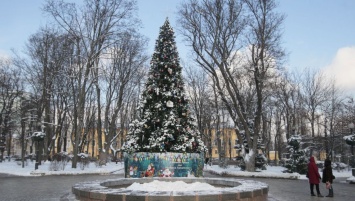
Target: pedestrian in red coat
313,176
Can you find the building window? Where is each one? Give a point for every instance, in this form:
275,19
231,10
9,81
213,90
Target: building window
216,151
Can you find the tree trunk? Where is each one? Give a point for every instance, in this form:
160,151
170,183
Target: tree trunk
250,162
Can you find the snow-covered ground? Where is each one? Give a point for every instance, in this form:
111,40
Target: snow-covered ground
271,172
14,168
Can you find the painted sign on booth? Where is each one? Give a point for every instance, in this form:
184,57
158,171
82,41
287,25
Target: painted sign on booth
170,164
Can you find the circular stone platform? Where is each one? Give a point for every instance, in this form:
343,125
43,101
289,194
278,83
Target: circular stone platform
115,189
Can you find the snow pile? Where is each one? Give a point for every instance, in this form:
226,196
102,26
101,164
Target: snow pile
271,172
351,180
171,186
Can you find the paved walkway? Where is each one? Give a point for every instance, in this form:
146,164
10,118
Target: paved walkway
42,188
48,188
298,190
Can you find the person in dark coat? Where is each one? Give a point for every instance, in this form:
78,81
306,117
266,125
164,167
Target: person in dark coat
328,176
313,177
206,160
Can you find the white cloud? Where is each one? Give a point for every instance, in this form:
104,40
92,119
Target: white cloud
4,55
342,68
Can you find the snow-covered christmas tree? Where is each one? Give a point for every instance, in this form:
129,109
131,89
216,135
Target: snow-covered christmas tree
297,161
164,123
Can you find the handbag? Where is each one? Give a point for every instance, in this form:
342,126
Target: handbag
328,185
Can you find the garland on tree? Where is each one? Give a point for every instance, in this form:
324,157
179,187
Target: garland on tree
164,123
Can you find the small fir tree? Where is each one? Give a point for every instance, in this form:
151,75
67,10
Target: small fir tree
164,123
297,161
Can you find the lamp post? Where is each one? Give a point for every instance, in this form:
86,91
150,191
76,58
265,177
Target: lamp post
2,146
219,146
37,137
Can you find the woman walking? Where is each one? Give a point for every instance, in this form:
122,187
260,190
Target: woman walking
328,176
313,176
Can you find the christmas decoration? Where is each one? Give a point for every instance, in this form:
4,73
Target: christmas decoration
170,104
164,123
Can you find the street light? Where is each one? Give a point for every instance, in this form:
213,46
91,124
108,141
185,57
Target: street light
219,145
2,146
221,152
38,137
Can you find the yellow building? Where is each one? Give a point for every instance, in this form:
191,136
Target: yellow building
228,140
273,155
91,146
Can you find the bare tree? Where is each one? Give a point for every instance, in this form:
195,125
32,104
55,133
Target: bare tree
120,77
283,110
199,90
11,88
332,109
214,30
48,51
93,29
314,93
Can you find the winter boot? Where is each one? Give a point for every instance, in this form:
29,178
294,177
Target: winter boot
320,195
330,193
311,188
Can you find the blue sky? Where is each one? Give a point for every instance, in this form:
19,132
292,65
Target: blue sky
317,33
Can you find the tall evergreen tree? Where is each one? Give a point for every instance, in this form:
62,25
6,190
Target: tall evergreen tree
164,122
